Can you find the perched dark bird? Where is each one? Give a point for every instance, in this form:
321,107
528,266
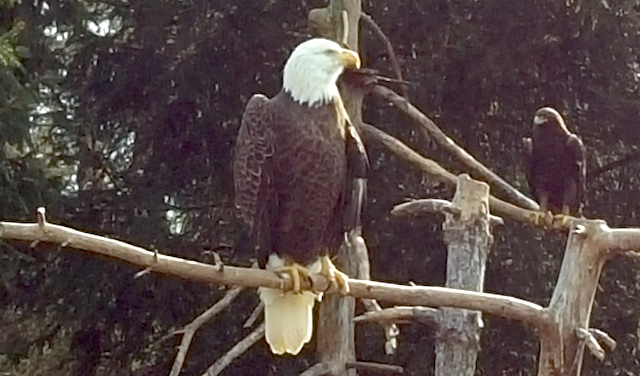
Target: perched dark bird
557,165
290,172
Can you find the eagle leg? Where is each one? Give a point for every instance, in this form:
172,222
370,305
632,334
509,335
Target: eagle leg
338,279
294,270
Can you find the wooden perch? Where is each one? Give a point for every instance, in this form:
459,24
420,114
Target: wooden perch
467,233
476,168
503,306
376,367
422,207
401,315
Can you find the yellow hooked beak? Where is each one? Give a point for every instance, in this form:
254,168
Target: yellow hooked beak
350,59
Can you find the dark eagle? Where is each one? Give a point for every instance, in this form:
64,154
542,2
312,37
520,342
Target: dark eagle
557,166
290,172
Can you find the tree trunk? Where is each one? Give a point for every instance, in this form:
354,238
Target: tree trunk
561,351
335,329
467,232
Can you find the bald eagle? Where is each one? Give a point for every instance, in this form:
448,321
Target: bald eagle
290,169
557,168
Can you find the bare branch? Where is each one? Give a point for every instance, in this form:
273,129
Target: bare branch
318,369
631,158
435,171
424,315
632,254
235,351
254,315
503,306
376,367
393,59
477,169
419,208
592,344
605,338
190,329
391,330
621,240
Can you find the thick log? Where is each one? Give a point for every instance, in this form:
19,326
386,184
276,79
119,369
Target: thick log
335,329
467,232
561,349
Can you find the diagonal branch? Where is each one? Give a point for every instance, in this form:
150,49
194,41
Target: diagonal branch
424,315
318,369
631,158
190,329
437,172
237,350
388,46
476,168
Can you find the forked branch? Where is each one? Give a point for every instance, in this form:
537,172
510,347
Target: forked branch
190,329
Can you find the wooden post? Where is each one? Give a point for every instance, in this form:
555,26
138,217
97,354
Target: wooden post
335,329
467,232
561,350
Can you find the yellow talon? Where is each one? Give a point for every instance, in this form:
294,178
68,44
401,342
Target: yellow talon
544,219
563,220
294,270
339,280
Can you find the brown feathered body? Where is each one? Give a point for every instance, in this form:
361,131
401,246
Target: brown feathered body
557,168
290,169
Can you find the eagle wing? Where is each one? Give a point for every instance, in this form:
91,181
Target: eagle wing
252,175
357,174
579,168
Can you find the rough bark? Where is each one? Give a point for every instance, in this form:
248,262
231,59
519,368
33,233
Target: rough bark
561,349
468,237
335,329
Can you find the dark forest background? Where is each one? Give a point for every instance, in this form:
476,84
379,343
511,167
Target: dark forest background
120,117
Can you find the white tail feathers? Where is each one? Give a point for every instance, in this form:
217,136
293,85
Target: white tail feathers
288,319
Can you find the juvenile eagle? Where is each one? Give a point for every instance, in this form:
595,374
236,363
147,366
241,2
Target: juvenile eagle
290,170
557,166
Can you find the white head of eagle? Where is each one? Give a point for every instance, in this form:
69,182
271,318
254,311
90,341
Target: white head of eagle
313,68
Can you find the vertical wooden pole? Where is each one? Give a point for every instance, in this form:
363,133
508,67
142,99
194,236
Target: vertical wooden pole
561,351
335,329
467,232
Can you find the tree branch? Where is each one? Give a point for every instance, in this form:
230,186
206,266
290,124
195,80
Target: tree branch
633,157
477,169
318,369
237,350
591,342
190,329
376,367
388,46
419,208
435,171
503,306
391,330
424,315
